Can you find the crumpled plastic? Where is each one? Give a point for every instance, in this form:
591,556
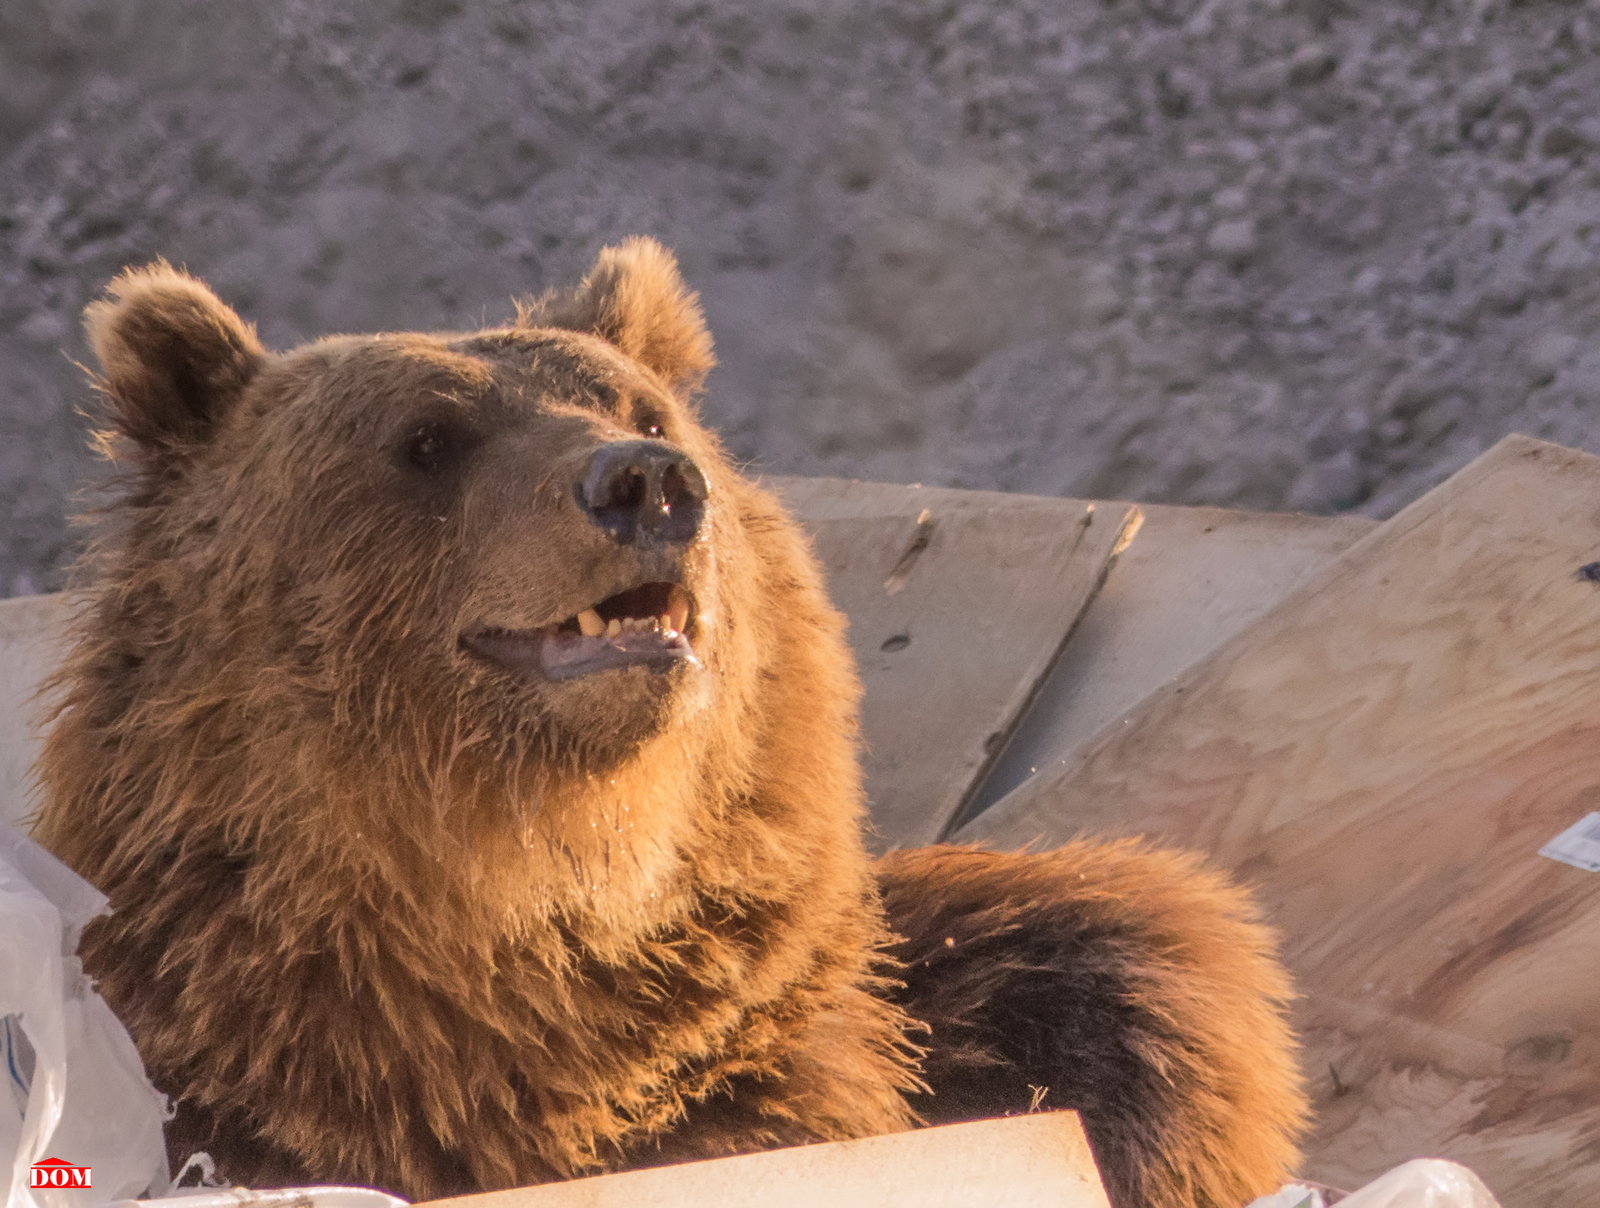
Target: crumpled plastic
75,1087
1419,1183
321,1196
1424,1183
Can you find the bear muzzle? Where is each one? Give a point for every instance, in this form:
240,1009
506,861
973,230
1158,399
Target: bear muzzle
645,626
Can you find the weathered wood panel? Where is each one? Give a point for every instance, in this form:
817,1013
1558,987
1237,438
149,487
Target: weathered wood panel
1383,755
30,633
959,603
1037,1161
1190,580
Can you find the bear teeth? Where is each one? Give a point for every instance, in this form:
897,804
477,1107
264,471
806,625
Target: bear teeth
668,617
591,625
635,625
669,622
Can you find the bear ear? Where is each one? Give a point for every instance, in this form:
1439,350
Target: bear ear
635,299
172,356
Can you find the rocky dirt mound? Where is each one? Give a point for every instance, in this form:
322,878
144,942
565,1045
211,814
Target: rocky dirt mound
1305,254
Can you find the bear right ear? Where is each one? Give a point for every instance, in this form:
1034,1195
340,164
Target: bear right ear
635,299
172,356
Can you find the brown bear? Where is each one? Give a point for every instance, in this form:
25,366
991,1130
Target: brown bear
469,754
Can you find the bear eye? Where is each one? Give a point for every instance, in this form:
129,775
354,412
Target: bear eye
426,447
649,424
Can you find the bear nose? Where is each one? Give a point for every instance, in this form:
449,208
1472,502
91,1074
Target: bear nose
644,490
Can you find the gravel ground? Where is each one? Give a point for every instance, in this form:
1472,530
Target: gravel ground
1300,254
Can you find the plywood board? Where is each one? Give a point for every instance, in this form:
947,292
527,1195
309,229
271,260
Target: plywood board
1037,1161
31,628
1191,579
1383,755
959,603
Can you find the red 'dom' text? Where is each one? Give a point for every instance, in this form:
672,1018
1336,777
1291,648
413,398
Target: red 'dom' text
53,1172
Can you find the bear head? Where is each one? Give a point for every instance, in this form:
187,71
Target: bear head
477,571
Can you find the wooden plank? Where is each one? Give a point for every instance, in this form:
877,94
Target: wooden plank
1383,755
959,603
1191,579
1037,1161
31,628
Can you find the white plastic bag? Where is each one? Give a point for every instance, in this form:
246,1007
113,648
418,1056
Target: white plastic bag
77,1089
1424,1183
1420,1183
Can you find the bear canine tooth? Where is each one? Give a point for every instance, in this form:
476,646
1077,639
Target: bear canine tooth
614,628
590,623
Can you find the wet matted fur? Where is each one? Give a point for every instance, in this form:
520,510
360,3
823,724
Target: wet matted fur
402,898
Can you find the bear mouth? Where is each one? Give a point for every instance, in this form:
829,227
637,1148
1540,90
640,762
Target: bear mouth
646,626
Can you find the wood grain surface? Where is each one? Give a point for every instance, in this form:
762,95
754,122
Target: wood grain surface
1034,1161
959,603
1191,579
1383,755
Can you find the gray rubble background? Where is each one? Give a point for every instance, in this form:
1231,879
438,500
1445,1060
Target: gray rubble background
1297,254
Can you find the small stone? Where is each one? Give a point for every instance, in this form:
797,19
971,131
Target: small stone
1232,200
1558,141
1312,64
1328,486
45,327
1478,99
1234,239
1368,281
1440,276
1548,352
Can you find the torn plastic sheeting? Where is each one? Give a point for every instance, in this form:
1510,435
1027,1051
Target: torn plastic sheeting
1424,1183
1420,1183
77,1089
286,1197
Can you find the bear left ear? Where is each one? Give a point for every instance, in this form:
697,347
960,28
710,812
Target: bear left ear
172,355
635,299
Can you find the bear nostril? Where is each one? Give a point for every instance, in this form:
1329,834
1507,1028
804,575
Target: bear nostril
682,483
643,489
629,490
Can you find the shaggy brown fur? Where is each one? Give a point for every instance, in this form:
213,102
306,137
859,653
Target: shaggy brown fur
1125,983
399,901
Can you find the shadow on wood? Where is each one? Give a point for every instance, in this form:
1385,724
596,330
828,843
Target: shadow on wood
959,603
1190,580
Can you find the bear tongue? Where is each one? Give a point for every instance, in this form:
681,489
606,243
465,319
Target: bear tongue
566,655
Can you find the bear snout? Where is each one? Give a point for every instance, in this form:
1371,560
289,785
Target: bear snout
644,492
